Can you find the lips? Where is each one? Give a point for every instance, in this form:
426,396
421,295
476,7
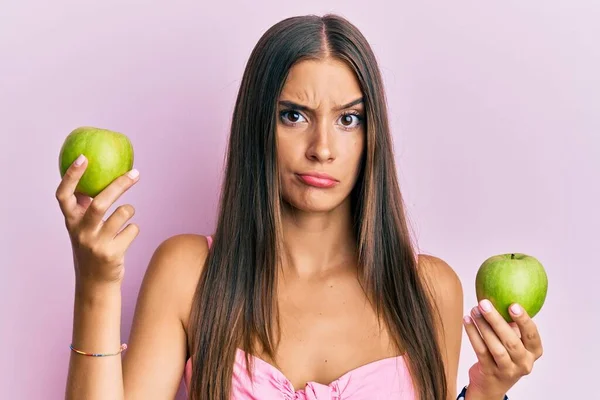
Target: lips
318,179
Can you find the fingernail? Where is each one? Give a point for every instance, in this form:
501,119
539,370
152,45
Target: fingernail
486,306
79,160
516,309
134,173
476,312
467,319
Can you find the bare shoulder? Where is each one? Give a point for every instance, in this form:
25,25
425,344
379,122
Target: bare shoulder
182,250
176,266
164,301
446,292
441,279
191,244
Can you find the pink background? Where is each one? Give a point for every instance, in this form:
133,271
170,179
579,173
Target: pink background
495,116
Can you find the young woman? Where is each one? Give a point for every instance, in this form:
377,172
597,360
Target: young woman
309,288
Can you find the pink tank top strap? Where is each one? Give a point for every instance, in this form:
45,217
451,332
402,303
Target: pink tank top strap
209,239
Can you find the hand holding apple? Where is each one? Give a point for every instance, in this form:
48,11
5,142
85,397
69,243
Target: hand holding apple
504,355
511,289
95,165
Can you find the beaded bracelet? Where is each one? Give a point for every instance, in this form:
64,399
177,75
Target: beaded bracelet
83,353
463,394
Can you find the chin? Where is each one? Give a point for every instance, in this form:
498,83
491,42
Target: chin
321,203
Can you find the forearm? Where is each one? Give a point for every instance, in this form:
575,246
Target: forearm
96,329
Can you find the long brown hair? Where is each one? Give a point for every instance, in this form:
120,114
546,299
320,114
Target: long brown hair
234,305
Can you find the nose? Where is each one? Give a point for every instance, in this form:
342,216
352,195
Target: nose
320,148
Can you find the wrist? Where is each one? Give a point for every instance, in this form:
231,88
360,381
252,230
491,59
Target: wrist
475,393
93,294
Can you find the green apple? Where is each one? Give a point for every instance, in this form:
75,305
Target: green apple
109,154
512,278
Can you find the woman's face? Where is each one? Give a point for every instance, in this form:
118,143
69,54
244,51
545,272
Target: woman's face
320,134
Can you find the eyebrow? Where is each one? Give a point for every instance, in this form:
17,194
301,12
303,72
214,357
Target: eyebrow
295,106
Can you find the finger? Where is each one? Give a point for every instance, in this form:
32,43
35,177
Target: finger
529,331
83,200
65,192
106,198
119,217
503,332
124,239
493,343
515,328
481,350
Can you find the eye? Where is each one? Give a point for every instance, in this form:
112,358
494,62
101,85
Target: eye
291,117
350,120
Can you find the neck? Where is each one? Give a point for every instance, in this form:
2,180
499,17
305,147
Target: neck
316,243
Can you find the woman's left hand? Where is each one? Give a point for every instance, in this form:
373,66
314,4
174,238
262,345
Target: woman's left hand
505,352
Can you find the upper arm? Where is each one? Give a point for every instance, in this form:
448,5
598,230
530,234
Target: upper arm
447,295
155,359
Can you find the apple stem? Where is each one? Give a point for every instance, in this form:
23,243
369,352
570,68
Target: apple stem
512,256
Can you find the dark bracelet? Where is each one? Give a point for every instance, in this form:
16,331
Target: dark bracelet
463,394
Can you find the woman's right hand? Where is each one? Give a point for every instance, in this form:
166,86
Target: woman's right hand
99,245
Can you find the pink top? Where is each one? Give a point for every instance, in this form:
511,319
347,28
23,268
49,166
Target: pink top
388,378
